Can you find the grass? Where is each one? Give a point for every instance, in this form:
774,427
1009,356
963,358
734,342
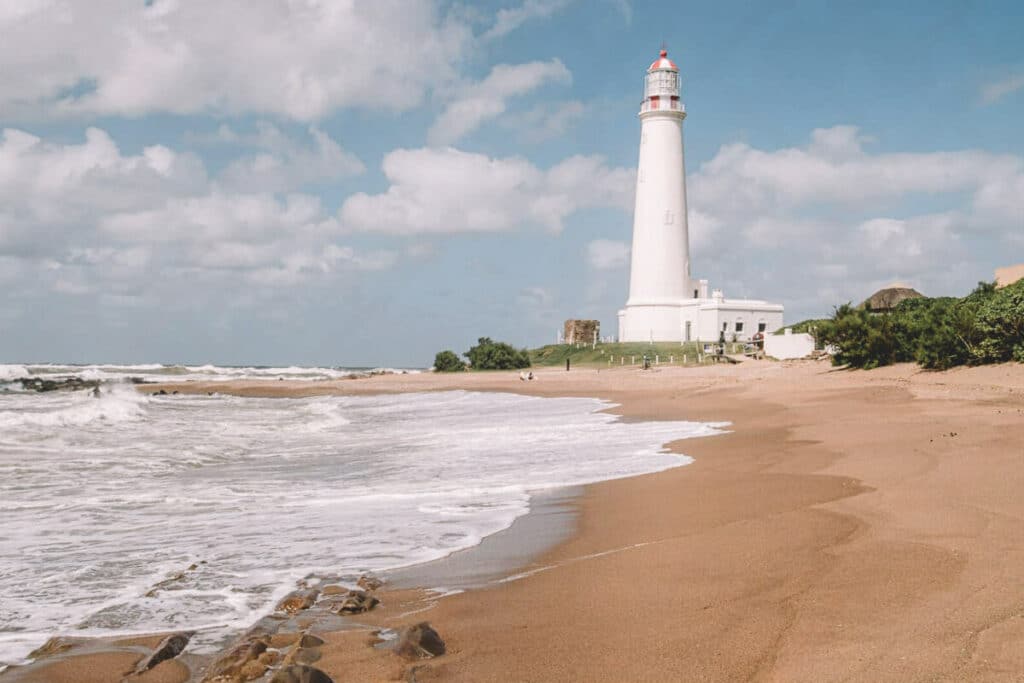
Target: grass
625,353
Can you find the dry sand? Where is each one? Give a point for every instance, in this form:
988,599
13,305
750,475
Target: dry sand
864,526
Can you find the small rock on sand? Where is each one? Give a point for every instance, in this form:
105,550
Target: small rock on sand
298,673
169,648
419,641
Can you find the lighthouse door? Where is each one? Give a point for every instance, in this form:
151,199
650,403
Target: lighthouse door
687,337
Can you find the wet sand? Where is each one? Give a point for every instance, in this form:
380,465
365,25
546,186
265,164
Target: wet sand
862,526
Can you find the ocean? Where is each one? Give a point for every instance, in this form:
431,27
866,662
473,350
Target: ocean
104,498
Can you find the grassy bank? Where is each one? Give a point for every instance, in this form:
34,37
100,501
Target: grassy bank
625,353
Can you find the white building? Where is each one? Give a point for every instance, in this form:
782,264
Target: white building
665,303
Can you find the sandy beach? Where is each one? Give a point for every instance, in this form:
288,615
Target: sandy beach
851,526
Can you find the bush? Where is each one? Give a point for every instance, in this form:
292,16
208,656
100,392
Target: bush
447,361
492,355
986,326
1000,325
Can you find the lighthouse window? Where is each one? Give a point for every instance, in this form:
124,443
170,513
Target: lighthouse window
739,325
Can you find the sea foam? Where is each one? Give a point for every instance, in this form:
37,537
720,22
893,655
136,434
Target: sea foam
105,498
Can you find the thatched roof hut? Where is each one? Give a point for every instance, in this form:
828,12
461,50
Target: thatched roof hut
888,298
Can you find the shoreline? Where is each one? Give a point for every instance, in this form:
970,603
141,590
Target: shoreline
800,546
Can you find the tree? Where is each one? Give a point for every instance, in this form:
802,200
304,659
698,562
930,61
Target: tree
448,361
492,355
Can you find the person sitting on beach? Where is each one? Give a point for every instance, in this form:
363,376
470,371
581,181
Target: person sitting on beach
522,376
530,376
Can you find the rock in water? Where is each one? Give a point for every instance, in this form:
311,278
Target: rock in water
356,602
299,673
54,645
169,648
419,641
297,601
369,582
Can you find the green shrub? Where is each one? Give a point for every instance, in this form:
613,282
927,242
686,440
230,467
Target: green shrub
986,326
447,361
861,340
1000,324
492,355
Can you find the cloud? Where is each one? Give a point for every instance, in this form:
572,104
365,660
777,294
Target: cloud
85,217
510,19
997,90
296,60
607,254
826,222
285,164
486,99
451,191
546,121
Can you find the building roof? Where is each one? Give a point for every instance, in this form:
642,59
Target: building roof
1008,275
663,62
888,298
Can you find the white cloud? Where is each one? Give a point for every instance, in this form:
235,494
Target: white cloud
832,219
300,60
835,168
286,164
607,254
546,121
87,218
479,102
450,191
510,19
997,90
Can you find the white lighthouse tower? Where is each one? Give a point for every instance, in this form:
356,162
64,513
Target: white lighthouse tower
665,304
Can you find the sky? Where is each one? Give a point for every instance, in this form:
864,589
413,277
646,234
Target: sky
355,183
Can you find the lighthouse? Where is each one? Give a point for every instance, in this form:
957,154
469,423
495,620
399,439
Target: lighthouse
665,303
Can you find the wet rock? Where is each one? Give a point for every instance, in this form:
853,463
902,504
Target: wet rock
268,658
297,601
53,646
310,640
369,582
252,670
59,384
356,602
300,673
333,589
419,641
228,669
169,648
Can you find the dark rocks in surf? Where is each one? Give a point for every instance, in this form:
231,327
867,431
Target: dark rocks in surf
169,648
300,673
419,641
61,384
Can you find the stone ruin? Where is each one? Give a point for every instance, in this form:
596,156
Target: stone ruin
581,331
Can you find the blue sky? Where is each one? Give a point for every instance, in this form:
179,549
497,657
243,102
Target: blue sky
349,183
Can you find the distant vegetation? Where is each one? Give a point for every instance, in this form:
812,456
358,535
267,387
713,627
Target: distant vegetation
986,326
448,361
486,355
492,355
